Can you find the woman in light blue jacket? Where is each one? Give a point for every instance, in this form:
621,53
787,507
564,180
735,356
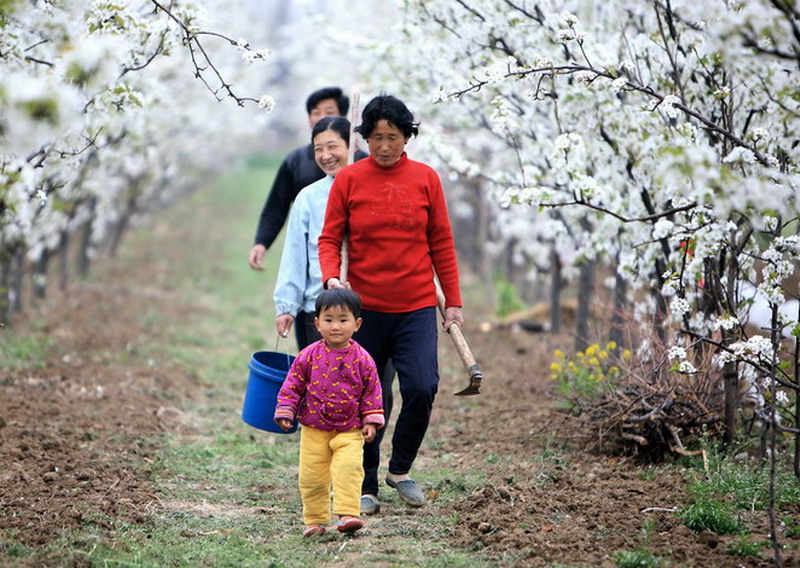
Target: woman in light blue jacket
299,276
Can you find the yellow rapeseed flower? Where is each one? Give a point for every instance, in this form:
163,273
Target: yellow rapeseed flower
594,362
579,354
571,365
613,370
555,367
603,355
627,355
558,354
611,345
591,349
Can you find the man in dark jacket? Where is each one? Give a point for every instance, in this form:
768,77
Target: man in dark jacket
297,170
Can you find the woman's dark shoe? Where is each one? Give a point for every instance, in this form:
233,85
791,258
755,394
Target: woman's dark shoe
408,491
369,505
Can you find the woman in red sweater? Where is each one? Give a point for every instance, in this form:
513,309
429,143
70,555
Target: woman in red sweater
393,212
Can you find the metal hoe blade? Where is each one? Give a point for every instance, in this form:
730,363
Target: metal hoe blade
475,378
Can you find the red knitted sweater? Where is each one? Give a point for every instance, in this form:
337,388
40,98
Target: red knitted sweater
398,232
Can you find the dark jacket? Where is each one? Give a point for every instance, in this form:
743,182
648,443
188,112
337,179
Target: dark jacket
298,170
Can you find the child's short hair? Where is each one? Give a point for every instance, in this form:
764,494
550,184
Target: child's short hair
338,297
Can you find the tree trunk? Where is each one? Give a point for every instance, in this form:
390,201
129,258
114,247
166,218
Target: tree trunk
485,261
617,318
17,278
585,294
39,276
121,227
730,377
730,371
5,286
84,261
797,401
63,261
773,433
555,291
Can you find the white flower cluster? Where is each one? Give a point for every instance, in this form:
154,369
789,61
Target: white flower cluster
565,35
757,348
568,30
266,102
442,94
667,106
676,352
525,196
740,155
726,322
250,56
679,307
662,228
618,84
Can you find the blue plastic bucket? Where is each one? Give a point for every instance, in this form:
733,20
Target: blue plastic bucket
268,370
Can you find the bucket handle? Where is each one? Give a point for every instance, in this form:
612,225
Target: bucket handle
277,339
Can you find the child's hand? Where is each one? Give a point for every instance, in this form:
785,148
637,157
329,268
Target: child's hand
369,431
284,423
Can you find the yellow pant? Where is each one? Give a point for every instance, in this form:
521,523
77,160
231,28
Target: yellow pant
330,458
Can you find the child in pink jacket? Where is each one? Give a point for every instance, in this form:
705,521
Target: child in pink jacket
333,390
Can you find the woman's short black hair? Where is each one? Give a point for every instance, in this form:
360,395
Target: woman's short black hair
338,297
390,109
335,93
339,124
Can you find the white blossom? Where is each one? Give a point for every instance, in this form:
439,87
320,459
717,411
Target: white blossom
266,102
662,228
726,322
676,352
667,106
679,307
740,154
756,348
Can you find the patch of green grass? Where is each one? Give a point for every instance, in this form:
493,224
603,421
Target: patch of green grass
637,558
507,297
649,473
792,527
745,483
745,548
714,516
14,549
451,484
23,351
648,530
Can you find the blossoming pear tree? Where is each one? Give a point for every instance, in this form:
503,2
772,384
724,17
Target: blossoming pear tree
111,109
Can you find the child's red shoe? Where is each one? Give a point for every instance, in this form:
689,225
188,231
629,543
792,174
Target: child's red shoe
314,530
348,524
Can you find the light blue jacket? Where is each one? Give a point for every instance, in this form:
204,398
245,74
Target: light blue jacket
300,277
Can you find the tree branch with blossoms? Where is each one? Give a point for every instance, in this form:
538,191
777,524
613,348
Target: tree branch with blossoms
202,61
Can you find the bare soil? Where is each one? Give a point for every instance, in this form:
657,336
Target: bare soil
71,449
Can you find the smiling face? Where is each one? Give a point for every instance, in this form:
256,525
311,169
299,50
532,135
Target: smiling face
336,325
330,151
386,143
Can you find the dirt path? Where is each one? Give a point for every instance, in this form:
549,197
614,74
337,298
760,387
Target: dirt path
71,431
